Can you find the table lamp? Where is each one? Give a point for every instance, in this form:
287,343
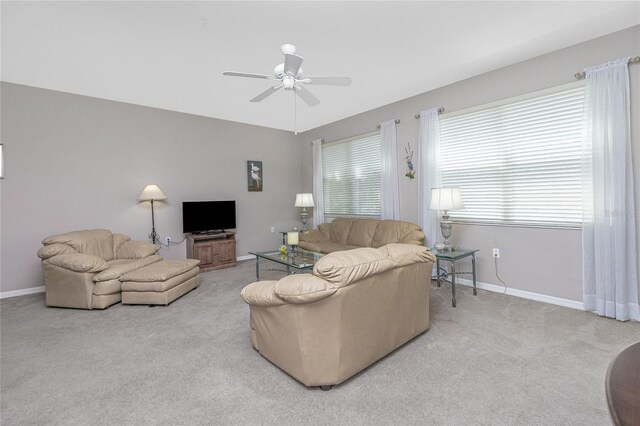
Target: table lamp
304,201
445,199
152,193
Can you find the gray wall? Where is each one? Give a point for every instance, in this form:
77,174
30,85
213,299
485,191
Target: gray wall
542,261
75,162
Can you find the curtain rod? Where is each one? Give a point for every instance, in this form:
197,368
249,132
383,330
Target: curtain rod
440,111
581,75
397,121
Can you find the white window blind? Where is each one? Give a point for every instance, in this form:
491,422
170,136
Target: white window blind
517,162
351,176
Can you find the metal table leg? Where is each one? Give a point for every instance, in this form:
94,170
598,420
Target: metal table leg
473,268
453,283
257,269
438,271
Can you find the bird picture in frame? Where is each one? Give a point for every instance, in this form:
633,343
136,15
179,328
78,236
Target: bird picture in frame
410,172
254,175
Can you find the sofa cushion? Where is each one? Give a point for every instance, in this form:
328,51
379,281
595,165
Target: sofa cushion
136,250
345,267
303,288
325,247
54,250
340,230
361,232
118,240
159,285
106,287
117,268
160,271
316,235
79,262
396,231
96,242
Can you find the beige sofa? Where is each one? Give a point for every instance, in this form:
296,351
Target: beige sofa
82,269
347,234
358,306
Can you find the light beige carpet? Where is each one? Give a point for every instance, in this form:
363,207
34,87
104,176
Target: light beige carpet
493,360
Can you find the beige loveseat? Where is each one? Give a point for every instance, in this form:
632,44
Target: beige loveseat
347,234
358,306
82,269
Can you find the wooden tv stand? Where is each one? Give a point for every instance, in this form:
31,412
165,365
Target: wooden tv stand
214,251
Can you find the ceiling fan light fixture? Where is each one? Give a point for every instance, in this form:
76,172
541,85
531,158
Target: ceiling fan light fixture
288,49
288,82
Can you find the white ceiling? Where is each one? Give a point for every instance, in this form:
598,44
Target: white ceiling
171,55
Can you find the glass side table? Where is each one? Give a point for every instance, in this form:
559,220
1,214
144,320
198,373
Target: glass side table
452,256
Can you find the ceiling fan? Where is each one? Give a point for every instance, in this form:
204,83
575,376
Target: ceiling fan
289,76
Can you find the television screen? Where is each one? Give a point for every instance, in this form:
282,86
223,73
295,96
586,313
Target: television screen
203,216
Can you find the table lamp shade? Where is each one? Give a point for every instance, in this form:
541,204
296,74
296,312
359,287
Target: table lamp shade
304,200
151,192
445,199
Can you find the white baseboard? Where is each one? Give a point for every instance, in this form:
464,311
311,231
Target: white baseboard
246,257
23,292
573,304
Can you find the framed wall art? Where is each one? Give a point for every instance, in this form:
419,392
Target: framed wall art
254,175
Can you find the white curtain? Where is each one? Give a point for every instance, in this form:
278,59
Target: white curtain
609,256
318,190
390,208
428,173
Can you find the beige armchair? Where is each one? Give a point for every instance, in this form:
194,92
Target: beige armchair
358,306
347,234
82,269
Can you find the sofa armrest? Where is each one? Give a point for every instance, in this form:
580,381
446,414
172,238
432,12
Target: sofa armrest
261,293
317,235
303,288
136,250
79,262
51,250
414,237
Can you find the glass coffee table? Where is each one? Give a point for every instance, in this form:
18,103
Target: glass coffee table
302,261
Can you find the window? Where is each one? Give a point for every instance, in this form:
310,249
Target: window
351,176
517,162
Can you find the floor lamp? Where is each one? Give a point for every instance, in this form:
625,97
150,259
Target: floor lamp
152,193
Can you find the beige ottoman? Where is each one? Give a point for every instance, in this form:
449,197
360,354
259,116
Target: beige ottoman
160,283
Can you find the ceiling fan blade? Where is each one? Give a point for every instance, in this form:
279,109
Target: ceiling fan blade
306,96
266,93
292,64
330,81
245,74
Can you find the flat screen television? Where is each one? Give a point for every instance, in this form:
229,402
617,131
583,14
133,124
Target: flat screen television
208,216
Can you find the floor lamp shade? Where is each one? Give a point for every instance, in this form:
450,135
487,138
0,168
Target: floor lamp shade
304,200
152,193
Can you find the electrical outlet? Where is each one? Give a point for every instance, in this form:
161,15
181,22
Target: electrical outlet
168,240
496,253
273,229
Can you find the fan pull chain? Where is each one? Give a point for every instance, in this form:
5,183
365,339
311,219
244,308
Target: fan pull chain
295,112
